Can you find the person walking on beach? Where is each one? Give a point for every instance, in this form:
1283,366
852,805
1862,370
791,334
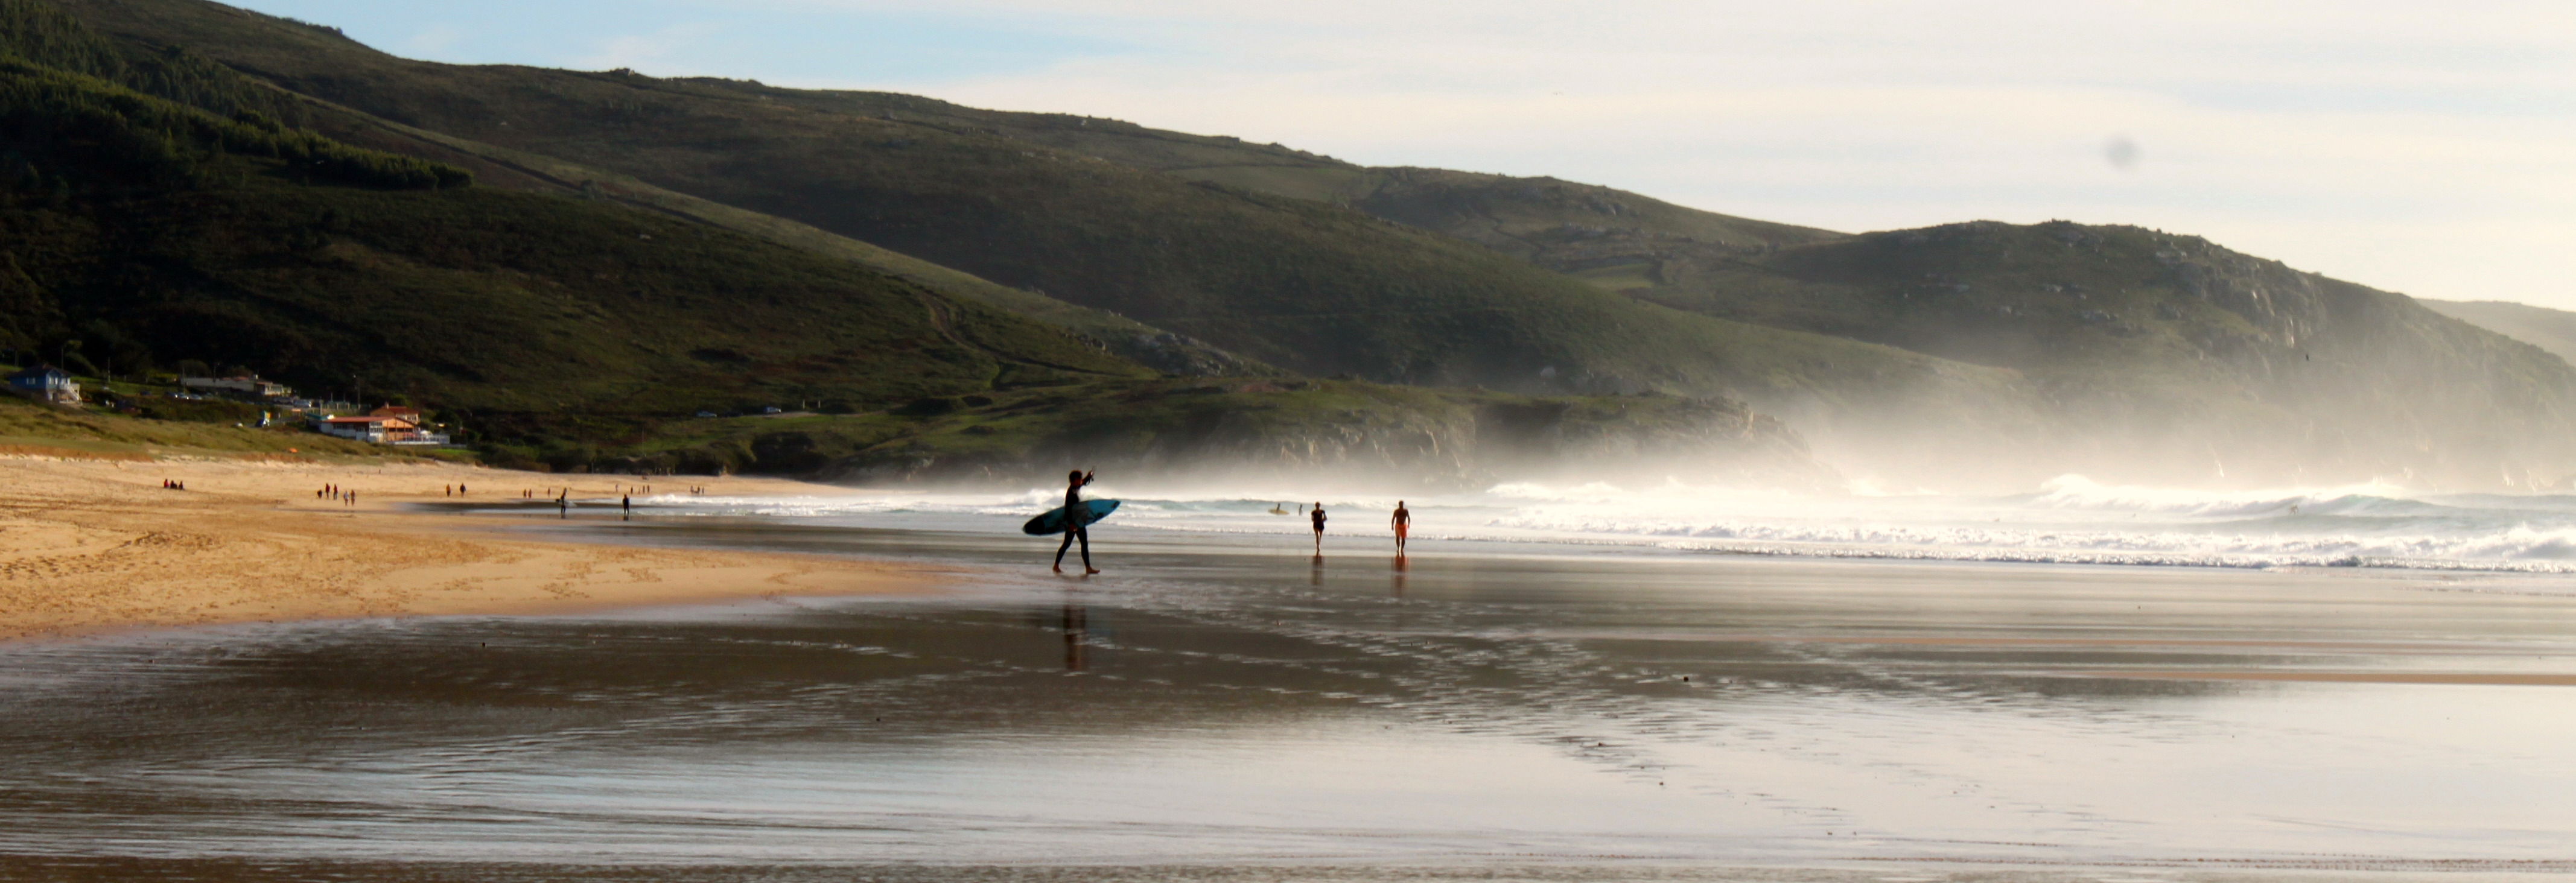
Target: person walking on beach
1402,521
1317,515
1077,520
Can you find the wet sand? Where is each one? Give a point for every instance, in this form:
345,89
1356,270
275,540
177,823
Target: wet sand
1225,708
96,545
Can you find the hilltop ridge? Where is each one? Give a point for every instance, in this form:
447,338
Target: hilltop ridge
1974,352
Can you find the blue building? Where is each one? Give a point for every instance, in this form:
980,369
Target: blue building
46,383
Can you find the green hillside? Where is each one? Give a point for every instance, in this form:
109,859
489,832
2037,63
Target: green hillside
1291,282
2199,355
1611,238
1969,351
2548,329
137,234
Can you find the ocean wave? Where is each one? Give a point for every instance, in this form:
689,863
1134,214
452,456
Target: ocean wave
2514,543
2079,492
2069,520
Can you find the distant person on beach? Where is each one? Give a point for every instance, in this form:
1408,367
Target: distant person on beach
1077,519
1317,514
1402,520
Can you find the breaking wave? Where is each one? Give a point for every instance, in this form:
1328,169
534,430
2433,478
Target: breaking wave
2068,520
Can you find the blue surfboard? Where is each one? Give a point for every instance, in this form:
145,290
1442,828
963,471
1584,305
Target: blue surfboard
1053,520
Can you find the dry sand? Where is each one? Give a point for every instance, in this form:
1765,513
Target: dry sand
93,545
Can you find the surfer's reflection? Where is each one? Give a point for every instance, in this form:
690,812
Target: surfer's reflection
1395,574
1077,627
1315,575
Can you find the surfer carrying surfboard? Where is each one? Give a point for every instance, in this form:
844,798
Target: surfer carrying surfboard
1077,517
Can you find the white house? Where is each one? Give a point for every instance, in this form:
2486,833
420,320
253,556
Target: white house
378,429
46,383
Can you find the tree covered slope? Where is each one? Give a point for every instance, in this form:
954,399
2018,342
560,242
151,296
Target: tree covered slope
138,233
1297,283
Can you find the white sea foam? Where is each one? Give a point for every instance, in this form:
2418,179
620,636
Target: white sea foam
2069,519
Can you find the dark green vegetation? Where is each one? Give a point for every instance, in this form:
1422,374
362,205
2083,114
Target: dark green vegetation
1293,282
578,333
666,245
140,233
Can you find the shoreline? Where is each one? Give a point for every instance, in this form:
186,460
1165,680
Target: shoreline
93,546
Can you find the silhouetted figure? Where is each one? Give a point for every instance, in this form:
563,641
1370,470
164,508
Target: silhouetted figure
1402,520
1317,515
1077,520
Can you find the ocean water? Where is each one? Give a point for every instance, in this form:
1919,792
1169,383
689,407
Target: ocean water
1560,683
2069,520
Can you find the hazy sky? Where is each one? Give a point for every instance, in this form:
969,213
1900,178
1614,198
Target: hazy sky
2420,147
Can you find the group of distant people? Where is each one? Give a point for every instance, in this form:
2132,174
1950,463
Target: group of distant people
172,484
337,493
1077,520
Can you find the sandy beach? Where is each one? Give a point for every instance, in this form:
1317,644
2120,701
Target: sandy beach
89,545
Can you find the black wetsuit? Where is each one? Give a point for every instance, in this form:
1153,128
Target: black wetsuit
1076,522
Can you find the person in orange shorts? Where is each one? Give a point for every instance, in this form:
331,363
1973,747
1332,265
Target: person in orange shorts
1402,520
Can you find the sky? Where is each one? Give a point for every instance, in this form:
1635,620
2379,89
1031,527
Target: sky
2417,147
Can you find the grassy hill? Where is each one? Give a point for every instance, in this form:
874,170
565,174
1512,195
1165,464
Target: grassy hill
31,429
2548,329
2185,351
2156,356
136,233
1976,349
1304,285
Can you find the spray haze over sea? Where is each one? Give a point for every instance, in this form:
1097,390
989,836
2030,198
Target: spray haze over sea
2067,520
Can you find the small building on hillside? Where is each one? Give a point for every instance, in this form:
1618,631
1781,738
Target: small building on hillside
378,429
46,383
399,412
246,385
